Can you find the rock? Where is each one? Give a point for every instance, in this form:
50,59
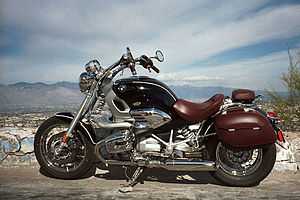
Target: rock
284,152
295,148
8,143
285,166
288,154
16,147
27,144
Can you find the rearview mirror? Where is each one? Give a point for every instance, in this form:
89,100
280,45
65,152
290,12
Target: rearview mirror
159,56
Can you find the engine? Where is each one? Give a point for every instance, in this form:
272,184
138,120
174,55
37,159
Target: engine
120,141
148,145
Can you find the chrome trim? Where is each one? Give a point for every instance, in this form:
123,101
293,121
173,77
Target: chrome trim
110,96
152,116
101,123
158,86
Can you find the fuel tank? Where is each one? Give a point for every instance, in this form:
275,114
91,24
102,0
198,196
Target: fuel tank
142,92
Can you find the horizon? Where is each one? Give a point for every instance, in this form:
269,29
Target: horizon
234,43
170,85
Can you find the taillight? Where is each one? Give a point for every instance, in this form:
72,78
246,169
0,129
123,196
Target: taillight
272,114
275,119
280,136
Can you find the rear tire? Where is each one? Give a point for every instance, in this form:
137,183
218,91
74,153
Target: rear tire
242,177
50,167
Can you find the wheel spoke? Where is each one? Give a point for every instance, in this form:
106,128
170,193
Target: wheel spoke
238,163
63,159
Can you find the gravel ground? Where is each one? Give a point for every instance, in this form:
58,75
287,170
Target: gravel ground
28,183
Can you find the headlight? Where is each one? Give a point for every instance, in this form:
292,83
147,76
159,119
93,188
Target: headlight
93,66
86,80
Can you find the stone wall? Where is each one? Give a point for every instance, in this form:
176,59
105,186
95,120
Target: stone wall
288,153
16,149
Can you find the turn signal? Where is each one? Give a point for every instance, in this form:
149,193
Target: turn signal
280,136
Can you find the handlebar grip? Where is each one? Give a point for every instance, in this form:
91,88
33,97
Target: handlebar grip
155,69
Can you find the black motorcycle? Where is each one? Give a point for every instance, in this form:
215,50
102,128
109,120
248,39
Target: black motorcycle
139,123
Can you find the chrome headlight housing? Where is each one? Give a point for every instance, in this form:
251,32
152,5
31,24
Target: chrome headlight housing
93,66
86,80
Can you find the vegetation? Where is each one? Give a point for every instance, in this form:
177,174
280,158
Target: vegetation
288,107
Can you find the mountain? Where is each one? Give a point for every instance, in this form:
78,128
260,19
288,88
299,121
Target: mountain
25,96
38,96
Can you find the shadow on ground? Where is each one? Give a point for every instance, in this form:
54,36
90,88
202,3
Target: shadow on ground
150,174
164,176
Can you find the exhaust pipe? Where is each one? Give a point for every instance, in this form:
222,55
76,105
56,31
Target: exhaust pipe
182,165
171,165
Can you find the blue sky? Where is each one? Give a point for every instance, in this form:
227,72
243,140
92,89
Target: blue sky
206,43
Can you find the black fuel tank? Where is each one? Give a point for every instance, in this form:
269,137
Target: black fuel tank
144,92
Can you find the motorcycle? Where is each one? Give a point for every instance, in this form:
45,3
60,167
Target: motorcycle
138,123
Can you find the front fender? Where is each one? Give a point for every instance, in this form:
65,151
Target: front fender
88,130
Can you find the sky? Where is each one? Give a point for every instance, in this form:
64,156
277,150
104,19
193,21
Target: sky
229,43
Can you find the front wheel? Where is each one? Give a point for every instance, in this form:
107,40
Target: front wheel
68,162
239,167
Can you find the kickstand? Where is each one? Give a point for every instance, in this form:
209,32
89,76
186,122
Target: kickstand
132,181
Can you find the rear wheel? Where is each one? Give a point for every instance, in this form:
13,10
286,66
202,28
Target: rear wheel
69,162
239,167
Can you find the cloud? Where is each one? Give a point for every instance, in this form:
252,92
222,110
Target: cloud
58,37
256,73
184,78
266,25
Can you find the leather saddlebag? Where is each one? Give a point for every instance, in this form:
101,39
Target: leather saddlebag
244,129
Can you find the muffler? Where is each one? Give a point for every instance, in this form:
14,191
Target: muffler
183,165
171,165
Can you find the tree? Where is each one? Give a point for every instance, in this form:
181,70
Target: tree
288,107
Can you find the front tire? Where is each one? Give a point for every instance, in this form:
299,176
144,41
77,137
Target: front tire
74,162
242,168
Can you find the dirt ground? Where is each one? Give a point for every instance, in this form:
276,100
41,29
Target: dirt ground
28,183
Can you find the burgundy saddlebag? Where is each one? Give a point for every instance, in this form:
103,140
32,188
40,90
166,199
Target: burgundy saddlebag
243,96
244,129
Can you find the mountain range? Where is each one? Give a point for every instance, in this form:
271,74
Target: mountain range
25,96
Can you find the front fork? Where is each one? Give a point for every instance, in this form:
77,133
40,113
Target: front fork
89,98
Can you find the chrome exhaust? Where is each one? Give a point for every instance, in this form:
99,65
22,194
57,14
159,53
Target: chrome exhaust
183,165
171,165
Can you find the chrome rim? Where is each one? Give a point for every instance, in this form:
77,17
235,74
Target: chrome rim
63,159
238,162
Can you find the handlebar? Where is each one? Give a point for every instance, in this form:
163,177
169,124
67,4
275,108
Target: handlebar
127,61
146,62
155,69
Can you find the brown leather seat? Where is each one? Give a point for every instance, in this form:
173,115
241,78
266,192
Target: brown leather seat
243,95
195,112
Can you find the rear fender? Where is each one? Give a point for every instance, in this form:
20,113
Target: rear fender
88,130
